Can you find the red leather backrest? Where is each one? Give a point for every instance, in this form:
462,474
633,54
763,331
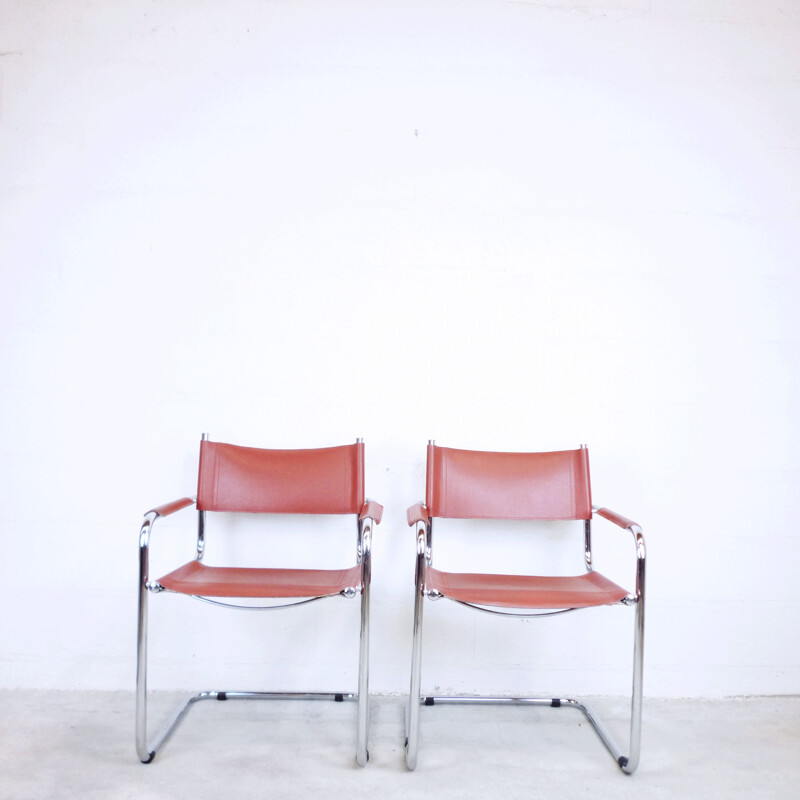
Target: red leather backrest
486,485
328,480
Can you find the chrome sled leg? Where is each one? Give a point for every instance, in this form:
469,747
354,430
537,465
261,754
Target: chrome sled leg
627,763
146,750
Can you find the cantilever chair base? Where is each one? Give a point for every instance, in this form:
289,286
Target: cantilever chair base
146,751
550,702
627,763
182,710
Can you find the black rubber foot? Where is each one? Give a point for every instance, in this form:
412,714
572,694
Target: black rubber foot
150,758
428,701
406,744
622,761
222,696
556,703
339,698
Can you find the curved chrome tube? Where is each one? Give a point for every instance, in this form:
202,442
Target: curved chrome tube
303,602
177,716
142,751
587,544
627,764
505,613
551,702
429,542
201,534
412,716
365,548
632,761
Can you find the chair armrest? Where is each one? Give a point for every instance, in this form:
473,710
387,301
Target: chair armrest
170,508
638,537
418,513
617,519
373,510
150,518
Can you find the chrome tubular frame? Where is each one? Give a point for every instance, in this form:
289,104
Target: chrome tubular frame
587,538
496,613
146,751
638,654
350,592
587,544
365,557
201,535
412,715
201,524
145,754
627,764
182,710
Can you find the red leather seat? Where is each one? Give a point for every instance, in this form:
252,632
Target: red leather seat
526,591
196,578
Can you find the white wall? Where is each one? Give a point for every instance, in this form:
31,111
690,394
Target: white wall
500,225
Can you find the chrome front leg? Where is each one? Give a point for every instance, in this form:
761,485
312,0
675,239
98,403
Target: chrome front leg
365,547
412,716
145,755
632,762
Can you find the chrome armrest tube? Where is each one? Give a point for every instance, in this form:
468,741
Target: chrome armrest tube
638,538
641,556
142,751
424,555
629,764
423,532
370,516
638,654
145,752
364,546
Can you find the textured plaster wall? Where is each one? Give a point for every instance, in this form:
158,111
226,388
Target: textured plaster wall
500,225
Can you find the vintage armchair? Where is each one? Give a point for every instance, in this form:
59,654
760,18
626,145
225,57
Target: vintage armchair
468,484
249,480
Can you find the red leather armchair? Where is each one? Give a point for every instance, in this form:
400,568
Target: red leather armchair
250,480
468,484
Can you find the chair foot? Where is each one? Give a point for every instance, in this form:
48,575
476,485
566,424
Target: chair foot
149,758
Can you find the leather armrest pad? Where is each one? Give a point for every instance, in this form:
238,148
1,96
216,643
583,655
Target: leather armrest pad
617,519
417,513
373,510
170,508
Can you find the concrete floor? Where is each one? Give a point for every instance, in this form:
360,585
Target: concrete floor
68,744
